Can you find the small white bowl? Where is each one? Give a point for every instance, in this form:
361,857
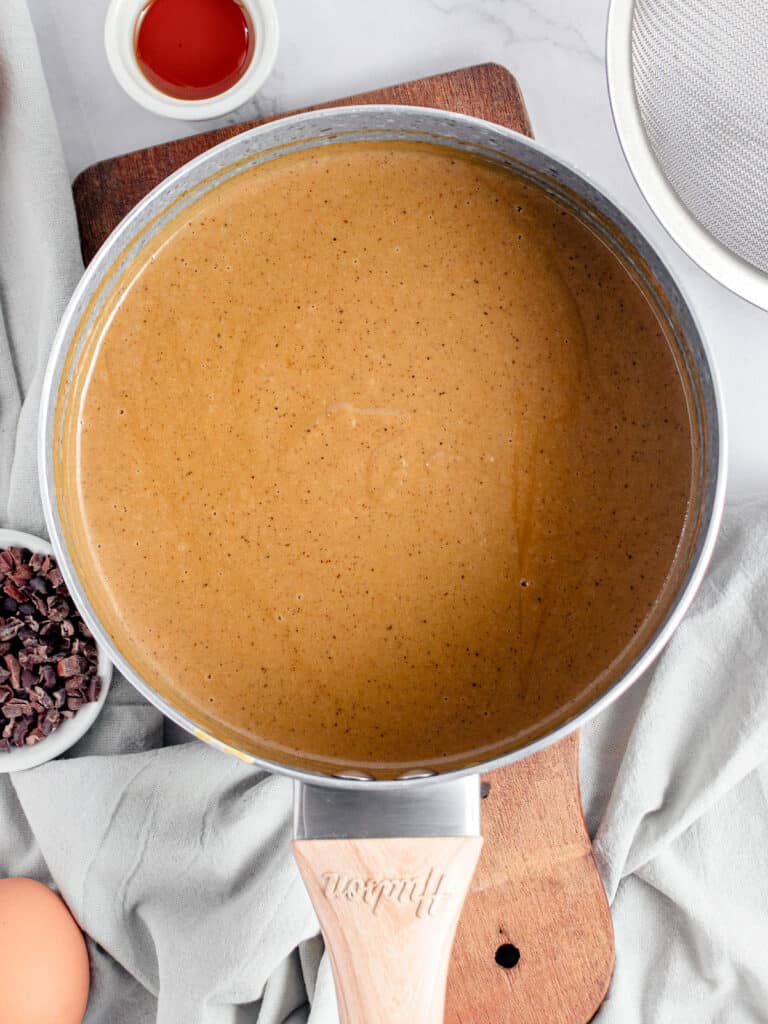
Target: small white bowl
119,40
71,729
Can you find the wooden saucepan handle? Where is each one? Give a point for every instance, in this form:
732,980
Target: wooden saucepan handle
388,910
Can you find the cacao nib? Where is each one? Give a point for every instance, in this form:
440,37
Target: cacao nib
12,664
50,720
58,608
32,657
10,588
39,585
75,687
43,698
55,578
48,661
16,708
10,628
21,729
48,676
74,665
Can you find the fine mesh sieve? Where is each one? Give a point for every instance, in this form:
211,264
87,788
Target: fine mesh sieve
689,91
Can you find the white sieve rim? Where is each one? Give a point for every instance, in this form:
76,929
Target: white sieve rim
718,261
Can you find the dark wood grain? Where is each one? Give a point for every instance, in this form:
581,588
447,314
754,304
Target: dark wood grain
537,889
107,191
537,886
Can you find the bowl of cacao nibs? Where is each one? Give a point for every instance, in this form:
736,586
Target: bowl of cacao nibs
53,677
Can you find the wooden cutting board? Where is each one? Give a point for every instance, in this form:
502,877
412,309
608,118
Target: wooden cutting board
535,940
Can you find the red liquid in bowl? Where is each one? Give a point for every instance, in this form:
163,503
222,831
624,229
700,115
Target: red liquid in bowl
194,49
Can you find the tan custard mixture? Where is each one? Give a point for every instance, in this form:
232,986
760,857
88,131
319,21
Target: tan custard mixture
380,462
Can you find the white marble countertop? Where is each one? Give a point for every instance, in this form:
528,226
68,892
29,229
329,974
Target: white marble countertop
331,48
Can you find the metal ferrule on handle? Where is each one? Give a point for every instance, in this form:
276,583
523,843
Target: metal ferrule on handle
388,879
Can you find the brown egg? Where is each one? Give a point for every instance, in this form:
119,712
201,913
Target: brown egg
44,977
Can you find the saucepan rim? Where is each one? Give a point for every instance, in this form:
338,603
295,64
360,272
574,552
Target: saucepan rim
380,118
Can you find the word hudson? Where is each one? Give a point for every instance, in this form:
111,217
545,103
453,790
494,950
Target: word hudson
423,892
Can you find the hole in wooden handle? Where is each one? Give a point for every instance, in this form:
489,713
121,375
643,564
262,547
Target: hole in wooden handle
507,955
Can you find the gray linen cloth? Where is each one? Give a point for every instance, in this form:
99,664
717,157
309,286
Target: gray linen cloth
175,859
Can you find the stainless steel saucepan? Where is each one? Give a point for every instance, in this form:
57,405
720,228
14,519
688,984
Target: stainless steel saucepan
388,862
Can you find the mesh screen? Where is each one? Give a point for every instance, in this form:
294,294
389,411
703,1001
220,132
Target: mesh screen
701,79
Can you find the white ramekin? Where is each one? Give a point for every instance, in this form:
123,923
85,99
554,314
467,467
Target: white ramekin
71,729
119,40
